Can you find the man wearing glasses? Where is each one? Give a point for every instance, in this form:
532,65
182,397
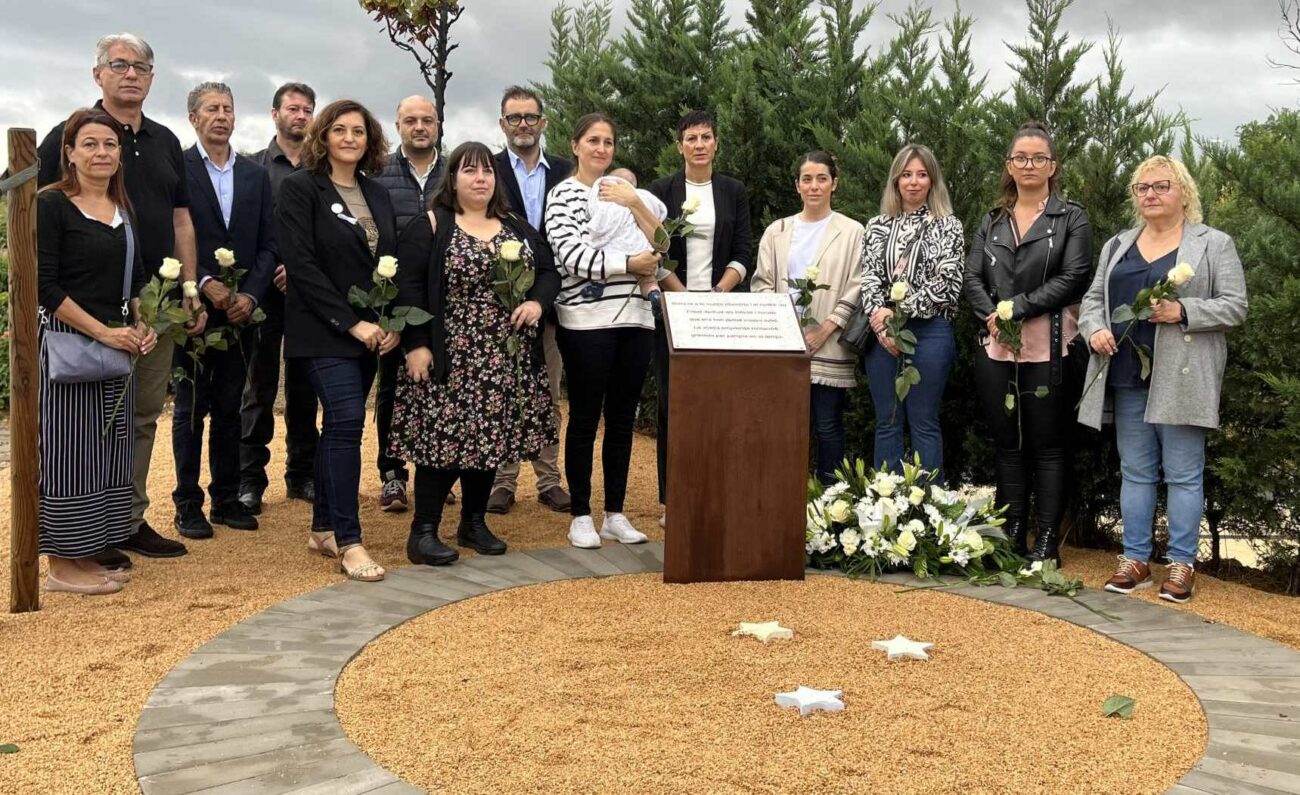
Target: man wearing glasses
524,176
154,170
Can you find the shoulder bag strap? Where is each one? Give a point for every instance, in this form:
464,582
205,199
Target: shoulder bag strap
130,264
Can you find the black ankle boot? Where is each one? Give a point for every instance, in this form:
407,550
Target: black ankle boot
1018,535
1047,545
474,533
424,547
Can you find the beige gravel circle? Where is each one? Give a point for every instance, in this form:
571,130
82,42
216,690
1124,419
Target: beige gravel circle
625,684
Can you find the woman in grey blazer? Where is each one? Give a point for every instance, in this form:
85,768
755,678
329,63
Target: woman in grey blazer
1161,420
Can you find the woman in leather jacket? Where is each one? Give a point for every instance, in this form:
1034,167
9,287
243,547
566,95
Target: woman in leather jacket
1035,250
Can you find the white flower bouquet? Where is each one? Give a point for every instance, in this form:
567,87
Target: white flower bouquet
873,521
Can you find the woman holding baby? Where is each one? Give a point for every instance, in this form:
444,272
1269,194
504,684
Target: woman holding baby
606,328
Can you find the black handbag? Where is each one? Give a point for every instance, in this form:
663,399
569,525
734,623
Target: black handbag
74,358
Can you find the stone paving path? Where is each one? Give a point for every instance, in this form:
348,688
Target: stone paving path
252,711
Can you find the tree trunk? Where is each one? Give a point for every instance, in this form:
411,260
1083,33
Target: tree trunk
440,73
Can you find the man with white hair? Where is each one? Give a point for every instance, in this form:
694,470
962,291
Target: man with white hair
154,170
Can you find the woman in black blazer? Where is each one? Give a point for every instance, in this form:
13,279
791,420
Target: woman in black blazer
466,402
717,257
333,226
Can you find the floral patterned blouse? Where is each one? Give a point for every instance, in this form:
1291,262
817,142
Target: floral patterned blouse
933,270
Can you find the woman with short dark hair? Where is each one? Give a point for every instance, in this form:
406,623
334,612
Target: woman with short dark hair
333,226
465,402
85,246
606,331
1033,252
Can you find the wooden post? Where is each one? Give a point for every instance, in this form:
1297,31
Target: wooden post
24,363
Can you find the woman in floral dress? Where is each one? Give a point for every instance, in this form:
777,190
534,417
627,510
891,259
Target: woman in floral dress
469,399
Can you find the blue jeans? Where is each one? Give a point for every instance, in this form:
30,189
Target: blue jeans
341,385
1144,449
827,410
935,352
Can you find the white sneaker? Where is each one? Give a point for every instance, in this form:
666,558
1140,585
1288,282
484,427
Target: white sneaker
616,527
582,533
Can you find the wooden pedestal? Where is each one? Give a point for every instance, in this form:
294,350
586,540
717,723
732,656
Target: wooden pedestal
737,466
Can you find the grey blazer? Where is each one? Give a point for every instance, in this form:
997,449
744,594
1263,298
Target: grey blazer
1188,358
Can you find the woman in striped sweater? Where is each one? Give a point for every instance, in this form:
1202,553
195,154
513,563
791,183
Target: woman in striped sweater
605,345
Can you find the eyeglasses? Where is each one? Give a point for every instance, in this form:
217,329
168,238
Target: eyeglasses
120,67
1160,188
531,119
1020,161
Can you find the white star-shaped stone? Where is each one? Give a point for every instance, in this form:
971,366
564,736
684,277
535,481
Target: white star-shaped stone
808,699
765,631
902,648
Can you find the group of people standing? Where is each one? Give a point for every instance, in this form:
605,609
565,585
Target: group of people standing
325,209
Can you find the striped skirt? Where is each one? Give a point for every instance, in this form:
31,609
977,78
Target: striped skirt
85,474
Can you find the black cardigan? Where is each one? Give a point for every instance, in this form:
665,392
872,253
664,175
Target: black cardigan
733,241
324,256
422,281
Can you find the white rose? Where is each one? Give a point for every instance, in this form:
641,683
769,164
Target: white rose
171,269
971,539
387,266
916,527
690,205
841,511
907,540
898,291
511,250
190,289
916,496
884,486
1006,310
1181,274
812,273
225,257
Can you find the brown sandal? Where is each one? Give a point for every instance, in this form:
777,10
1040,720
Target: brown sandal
366,572
322,543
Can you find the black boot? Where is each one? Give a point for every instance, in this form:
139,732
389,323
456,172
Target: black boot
424,547
474,533
1017,534
1047,545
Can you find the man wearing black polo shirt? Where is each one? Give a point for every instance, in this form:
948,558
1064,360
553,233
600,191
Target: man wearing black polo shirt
292,109
154,169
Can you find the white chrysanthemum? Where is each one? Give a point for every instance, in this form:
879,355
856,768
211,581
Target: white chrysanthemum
835,490
850,540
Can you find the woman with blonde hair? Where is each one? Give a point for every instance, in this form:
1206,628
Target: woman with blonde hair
915,242
1161,419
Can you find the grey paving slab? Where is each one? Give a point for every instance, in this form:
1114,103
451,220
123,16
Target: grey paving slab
164,760
528,565
202,733
155,718
252,711
621,555
214,774
168,695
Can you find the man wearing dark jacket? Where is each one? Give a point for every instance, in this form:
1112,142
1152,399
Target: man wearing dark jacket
232,222
525,175
413,172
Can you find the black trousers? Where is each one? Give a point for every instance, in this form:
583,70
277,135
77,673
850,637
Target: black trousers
263,344
1035,458
661,408
606,369
212,393
433,485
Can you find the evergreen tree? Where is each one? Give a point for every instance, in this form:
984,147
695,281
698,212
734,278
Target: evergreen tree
580,64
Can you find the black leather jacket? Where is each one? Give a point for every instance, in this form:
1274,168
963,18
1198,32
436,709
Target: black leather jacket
1050,269
1047,272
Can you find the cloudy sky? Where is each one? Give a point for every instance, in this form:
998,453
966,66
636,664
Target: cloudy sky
1208,56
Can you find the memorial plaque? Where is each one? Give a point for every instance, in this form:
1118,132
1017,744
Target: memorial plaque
733,322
